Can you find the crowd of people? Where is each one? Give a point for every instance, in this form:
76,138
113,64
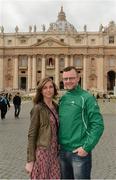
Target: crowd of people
61,136
5,100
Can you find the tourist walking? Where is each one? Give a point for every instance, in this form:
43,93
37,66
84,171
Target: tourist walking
17,104
4,105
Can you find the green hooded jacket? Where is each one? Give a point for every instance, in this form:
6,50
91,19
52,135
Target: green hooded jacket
81,123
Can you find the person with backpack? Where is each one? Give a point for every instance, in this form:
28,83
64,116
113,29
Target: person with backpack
4,104
80,127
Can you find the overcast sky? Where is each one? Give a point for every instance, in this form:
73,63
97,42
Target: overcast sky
78,12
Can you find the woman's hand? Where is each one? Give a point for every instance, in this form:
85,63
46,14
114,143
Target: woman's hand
29,167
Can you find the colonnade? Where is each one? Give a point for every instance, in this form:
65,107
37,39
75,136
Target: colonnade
32,70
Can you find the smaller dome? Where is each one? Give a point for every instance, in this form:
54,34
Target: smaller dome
62,25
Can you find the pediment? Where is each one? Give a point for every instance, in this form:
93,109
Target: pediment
50,42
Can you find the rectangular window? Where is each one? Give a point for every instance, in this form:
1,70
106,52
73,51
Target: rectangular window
62,40
111,62
61,63
9,41
111,39
23,62
22,41
78,63
93,41
38,40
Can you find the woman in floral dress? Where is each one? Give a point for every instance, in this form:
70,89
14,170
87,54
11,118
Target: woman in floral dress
42,151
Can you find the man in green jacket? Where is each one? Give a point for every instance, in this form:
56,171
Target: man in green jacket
81,126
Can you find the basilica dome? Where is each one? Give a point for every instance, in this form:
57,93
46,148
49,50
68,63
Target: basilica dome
61,25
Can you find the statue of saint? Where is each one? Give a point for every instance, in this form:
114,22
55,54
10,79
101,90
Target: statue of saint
2,29
30,29
43,28
100,28
51,26
35,28
85,28
16,29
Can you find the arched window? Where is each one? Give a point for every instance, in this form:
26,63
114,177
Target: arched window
50,62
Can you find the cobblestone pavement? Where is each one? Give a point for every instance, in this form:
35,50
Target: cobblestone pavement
13,142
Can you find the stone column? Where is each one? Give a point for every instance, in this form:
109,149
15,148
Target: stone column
66,61
15,74
29,73
43,74
34,73
100,73
71,60
57,71
85,72
1,74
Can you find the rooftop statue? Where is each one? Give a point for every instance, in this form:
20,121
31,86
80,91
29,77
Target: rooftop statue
85,28
16,29
101,28
2,29
30,29
43,28
35,28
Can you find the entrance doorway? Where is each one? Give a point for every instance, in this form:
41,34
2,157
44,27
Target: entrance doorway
23,83
110,80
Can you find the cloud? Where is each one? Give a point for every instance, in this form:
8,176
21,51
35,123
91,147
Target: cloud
78,12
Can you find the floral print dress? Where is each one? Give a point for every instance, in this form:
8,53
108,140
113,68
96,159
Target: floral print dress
47,165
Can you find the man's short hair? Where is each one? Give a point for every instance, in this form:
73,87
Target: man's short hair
69,68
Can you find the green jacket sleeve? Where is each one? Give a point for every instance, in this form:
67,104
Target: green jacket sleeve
95,125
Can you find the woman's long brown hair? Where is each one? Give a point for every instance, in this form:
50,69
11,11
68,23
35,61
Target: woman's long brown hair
39,97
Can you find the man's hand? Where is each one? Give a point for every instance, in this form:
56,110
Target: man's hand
80,151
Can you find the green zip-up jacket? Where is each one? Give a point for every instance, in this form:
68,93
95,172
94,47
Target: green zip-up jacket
81,123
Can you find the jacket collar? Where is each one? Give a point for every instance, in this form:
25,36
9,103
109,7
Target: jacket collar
77,89
42,104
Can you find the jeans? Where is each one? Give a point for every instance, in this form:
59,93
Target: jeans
17,110
74,166
3,111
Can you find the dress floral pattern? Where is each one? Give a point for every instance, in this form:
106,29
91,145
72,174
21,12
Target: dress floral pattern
46,165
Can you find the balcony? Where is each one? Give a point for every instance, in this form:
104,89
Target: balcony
22,67
50,67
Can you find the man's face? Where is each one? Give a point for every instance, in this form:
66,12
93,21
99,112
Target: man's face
70,79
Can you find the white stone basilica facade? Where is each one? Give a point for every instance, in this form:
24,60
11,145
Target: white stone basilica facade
26,57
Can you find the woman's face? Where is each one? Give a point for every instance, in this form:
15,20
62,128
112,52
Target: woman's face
48,90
